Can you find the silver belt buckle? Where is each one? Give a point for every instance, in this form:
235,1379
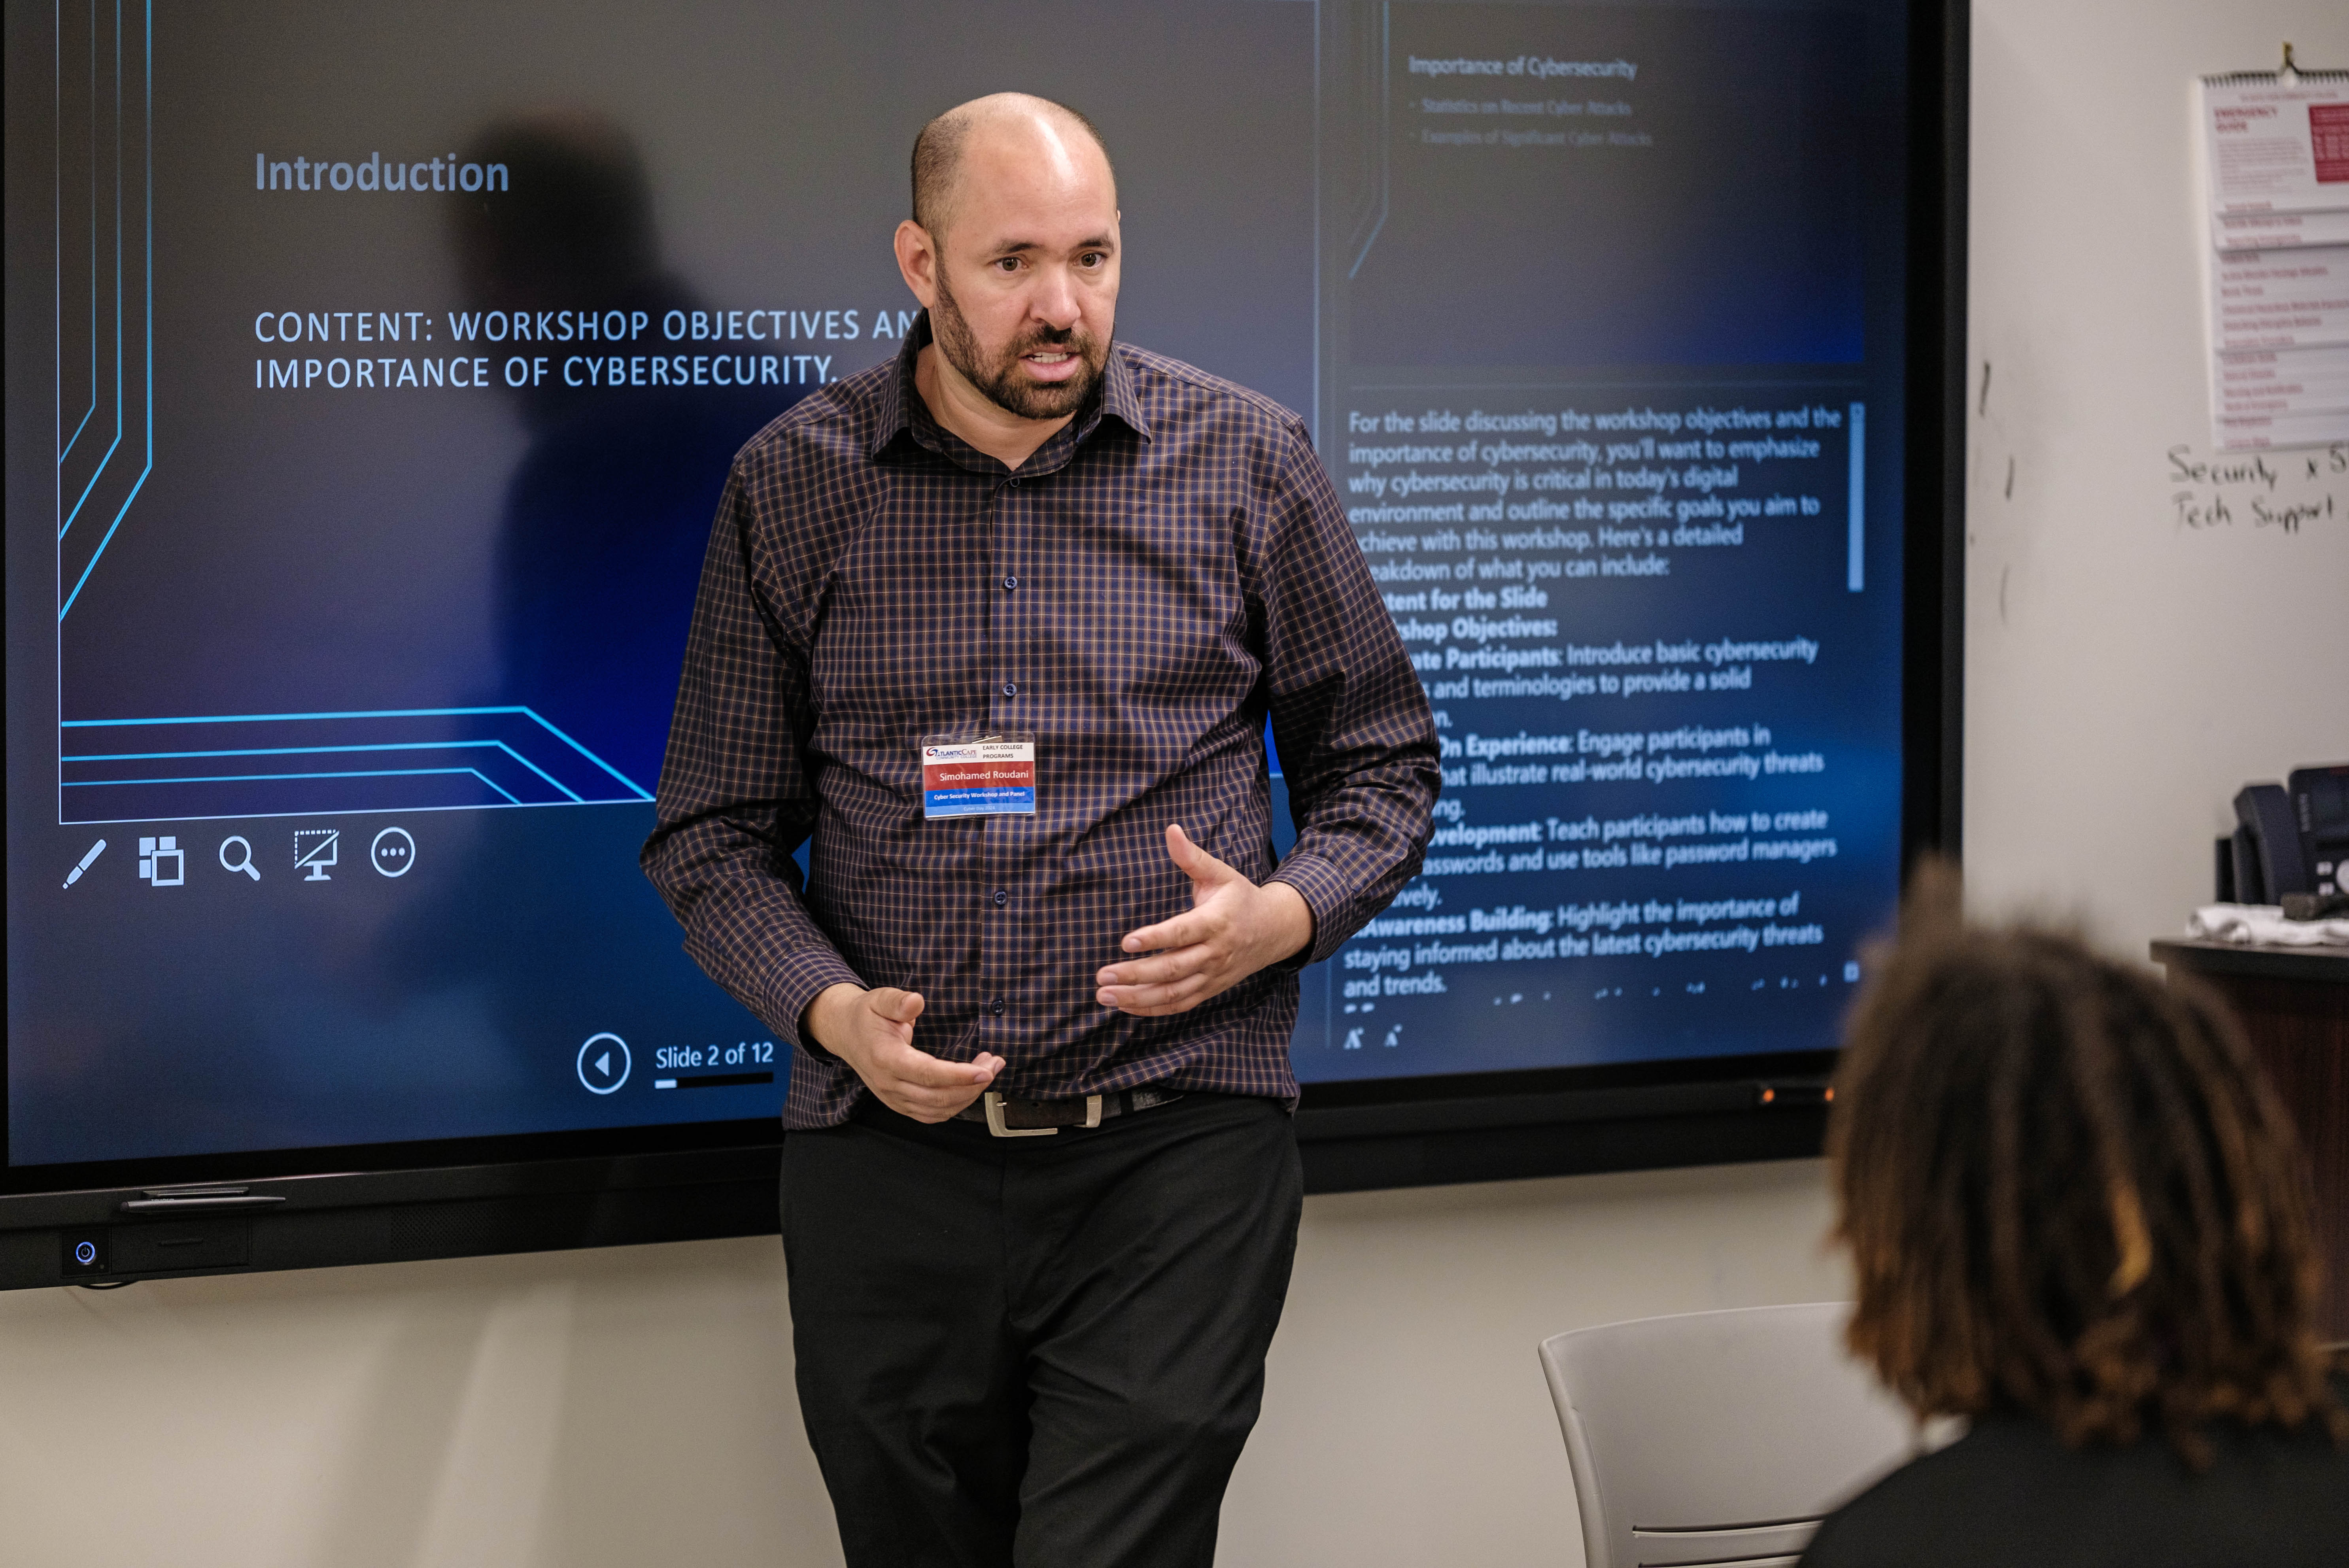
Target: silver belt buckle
995,1119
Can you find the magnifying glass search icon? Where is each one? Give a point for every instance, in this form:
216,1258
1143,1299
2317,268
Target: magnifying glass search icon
244,861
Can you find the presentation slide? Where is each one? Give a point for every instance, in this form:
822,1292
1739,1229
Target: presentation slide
1612,390
392,358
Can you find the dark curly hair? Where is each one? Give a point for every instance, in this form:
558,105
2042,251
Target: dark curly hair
2068,1191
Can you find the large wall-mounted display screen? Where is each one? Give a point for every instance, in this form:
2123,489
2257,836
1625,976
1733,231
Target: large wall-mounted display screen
373,372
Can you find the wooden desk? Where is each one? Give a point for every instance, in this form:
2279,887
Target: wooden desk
2294,1005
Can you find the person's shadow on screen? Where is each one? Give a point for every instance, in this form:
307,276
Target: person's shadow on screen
544,929
607,516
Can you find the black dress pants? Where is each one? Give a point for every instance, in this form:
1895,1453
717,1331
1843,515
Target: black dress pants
1040,1351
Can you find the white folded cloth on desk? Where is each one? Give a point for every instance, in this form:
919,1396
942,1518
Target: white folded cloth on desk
2264,924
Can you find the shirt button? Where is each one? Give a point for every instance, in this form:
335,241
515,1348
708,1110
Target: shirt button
1001,896
1010,688
996,1006
1010,584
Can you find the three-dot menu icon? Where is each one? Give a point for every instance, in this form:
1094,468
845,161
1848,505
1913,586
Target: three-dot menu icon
393,851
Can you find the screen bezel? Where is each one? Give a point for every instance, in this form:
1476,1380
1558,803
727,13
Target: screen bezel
542,1191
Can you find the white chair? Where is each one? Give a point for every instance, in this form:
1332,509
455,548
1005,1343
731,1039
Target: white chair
1718,1437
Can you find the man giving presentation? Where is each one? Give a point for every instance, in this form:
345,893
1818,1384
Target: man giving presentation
995,629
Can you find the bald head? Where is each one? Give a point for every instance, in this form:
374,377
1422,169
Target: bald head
1019,127
1022,298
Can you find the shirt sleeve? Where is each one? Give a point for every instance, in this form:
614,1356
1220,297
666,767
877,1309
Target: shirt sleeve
1357,742
735,798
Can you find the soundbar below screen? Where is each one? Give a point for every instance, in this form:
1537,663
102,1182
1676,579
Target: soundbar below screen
374,372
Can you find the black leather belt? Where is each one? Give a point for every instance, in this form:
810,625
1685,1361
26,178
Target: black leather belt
1043,1117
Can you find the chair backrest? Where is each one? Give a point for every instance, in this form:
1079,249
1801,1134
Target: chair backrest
1718,1437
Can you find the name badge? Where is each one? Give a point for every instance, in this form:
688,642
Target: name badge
988,776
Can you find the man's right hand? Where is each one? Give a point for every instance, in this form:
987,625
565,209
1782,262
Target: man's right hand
873,1031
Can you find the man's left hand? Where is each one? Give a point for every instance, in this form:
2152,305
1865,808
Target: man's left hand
1234,929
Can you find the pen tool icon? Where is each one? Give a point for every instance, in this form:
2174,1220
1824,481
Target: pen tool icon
95,850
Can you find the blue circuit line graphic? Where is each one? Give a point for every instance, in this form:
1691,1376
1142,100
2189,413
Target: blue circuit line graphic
274,778
544,766
104,462
90,409
147,282
573,795
634,792
570,796
1385,140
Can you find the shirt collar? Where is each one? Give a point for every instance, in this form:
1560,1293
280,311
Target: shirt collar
905,416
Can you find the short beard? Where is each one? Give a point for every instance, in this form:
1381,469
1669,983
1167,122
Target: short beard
1003,384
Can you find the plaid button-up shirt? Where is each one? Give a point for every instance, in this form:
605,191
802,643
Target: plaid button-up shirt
1167,571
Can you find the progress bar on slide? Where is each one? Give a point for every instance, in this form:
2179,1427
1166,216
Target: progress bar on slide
714,1080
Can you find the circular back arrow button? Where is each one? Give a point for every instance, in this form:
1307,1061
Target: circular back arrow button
604,1063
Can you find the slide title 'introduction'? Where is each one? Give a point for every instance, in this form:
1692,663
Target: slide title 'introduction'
317,174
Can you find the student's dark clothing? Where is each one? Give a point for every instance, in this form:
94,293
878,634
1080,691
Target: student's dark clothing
2010,1492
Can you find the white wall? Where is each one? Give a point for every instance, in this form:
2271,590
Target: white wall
631,1406
2126,676
624,1407
1405,1417
634,1407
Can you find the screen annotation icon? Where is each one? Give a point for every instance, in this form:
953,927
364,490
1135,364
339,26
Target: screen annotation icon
84,864
317,849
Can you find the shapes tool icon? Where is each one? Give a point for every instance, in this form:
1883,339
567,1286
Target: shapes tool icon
317,849
83,864
162,863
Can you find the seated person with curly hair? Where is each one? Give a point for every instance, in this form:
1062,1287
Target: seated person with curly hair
2077,1216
